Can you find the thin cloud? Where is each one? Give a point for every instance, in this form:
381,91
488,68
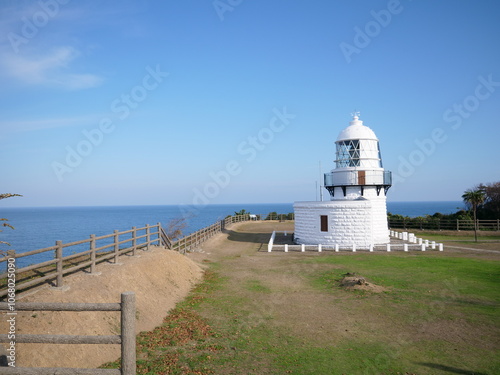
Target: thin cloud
50,69
49,123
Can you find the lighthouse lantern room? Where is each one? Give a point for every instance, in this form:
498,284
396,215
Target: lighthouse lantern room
356,213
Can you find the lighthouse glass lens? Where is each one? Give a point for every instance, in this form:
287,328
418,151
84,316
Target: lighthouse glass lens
348,153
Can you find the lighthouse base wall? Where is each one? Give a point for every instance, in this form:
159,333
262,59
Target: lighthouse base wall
361,222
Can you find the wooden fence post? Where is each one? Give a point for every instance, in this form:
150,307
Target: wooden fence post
128,333
134,240
117,245
458,225
148,236
59,264
159,233
92,253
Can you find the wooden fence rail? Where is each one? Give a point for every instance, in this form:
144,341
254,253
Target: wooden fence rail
438,224
126,339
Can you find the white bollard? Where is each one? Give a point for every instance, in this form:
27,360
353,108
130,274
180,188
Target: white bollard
388,247
371,248
405,247
286,248
405,236
353,247
319,248
440,247
337,247
433,245
303,248
420,241
285,233
426,242
423,247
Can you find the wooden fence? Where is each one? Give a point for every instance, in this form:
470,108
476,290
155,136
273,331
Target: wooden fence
193,240
438,224
105,248
56,268
126,339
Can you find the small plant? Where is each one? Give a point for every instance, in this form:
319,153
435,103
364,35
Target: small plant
5,224
175,227
241,212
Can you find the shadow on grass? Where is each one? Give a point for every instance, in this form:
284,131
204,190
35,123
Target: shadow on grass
450,369
247,237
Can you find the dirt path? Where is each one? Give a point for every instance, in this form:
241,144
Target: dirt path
289,299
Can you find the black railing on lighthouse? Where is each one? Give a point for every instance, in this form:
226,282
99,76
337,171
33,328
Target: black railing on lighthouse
359,178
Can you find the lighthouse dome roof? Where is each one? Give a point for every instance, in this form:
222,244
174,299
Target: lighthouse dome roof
356,130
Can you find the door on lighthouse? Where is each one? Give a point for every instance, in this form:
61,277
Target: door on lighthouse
361,177
324,223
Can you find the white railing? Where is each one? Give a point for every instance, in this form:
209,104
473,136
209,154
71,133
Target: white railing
410,243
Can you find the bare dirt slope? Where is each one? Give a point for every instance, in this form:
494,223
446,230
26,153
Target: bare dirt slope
160,278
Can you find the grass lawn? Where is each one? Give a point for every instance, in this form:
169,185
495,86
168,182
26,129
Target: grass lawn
285,313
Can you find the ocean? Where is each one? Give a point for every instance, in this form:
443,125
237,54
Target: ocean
40,227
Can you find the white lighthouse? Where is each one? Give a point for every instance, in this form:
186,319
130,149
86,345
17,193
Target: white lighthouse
357,212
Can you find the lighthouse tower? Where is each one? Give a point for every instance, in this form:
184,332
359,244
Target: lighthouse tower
357,211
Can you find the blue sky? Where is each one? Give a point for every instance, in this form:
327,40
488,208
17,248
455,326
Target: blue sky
239,101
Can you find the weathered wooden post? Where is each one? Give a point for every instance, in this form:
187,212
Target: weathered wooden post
59,264
128,333
92,253
148,236
159,234
117,245
134,240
